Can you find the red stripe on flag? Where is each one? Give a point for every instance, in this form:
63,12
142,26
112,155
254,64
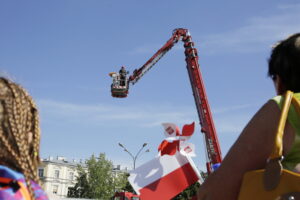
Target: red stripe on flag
170,185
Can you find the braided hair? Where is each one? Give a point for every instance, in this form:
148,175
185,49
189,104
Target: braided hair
19,131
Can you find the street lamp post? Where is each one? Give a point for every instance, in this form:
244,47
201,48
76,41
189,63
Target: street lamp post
132,156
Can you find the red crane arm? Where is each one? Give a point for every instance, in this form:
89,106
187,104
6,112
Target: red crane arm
197,84
138,73
202,105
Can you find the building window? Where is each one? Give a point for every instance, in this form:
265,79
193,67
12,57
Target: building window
71,176
56,173
54,189
41,173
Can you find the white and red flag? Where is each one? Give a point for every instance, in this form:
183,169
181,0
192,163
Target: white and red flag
176,140
164,177
170,173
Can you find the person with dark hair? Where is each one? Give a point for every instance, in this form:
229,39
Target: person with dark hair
19,144
255,143
123,74
284,64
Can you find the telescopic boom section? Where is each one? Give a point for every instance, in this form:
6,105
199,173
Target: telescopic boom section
201,101
138,73
207,125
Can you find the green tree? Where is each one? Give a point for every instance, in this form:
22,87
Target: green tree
97,180
81,188
121,182
126,185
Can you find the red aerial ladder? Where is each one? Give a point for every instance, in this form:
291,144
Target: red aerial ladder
213,151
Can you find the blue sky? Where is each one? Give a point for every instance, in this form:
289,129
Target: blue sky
63,50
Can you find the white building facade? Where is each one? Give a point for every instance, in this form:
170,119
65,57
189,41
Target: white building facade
58,175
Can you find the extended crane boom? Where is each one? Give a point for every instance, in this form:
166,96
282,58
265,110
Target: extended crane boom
213,151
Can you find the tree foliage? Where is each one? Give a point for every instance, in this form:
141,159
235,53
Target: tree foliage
188,193
127,186
97,179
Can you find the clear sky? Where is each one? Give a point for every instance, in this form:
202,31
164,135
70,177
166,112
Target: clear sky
63,50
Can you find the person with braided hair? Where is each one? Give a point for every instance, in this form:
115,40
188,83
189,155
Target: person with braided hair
19,144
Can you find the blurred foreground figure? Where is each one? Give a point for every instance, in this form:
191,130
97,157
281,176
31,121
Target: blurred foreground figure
254,145
19,144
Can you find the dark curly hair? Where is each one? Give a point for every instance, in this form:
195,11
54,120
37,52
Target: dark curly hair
285,62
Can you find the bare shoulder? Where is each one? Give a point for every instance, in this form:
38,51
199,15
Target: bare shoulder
265,119
263,126
269,110
255,141
258,136
249,152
